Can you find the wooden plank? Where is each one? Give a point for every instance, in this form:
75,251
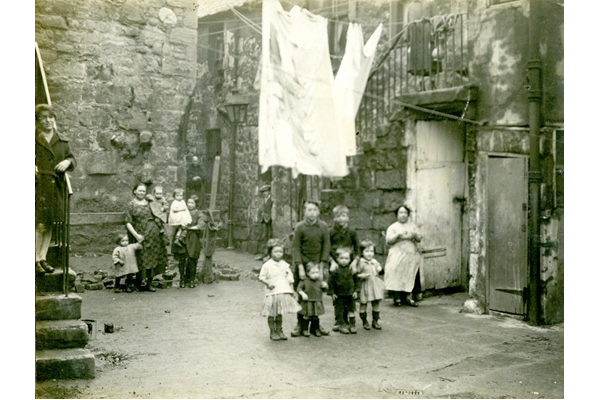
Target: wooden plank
440,178
38,57
214,184
507,238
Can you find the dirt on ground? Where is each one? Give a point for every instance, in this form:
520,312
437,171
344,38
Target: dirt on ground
212,342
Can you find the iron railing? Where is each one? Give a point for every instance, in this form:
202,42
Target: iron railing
428,54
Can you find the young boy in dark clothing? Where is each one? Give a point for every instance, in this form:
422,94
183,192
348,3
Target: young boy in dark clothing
342,288
341,235
310,245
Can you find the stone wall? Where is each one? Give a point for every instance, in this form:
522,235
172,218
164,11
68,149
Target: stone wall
376,187
119,72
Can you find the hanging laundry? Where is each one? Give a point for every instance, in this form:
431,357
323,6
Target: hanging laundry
351,80
297,118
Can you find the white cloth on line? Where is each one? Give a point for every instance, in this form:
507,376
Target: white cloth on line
298,124
351,80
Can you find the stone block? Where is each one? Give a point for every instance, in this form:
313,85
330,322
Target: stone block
53,283
330,198
163,284
94,117
361,219
390,201
227,277
63,334
57,306
64,364
101,163
94,286
369,200
113,95
383,221
185,36
392,179
132,11
52,22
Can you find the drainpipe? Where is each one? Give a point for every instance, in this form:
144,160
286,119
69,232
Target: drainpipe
534,66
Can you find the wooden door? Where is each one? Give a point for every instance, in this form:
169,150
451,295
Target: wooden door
507,233
440,188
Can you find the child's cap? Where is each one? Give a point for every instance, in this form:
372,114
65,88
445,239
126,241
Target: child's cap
313,201
264,188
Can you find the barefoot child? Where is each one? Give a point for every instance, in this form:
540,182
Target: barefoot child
275,274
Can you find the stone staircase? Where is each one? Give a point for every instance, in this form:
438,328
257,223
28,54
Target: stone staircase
60,335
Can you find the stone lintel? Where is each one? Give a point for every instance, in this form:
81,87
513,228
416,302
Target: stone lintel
451,100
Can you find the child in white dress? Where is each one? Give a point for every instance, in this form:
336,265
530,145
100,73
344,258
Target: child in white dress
276,275
371,286
179,213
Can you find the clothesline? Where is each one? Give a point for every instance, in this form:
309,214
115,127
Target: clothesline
380,98
259,18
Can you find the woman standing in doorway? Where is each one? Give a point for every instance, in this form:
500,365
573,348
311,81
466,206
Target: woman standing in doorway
403,261
144,227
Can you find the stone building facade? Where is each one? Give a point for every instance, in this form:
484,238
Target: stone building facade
121,75
123,71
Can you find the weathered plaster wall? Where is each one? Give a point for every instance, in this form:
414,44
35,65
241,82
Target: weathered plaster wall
552,49
498,49
116,69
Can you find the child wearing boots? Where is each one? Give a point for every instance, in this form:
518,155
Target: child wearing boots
187,246
371,287
125,263
311,292
341,235
310,245
342,288
275,274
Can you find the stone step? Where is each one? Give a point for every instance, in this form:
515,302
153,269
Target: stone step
53,283
64,364
63,334
54,307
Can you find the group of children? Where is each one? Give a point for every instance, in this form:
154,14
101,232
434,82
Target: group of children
183,227
325,261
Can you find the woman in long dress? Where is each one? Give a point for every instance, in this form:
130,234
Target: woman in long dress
403,262
145,228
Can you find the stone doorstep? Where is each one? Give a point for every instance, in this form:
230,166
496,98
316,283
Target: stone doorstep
63,334
53,282
64,364
57,306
